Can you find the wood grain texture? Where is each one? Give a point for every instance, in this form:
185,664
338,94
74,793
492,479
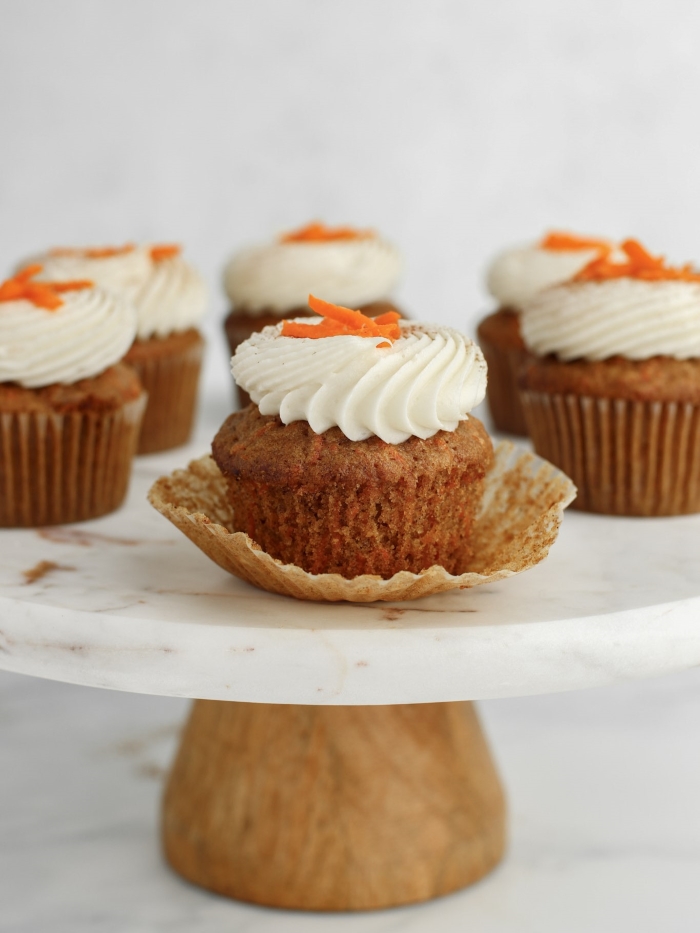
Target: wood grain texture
333,808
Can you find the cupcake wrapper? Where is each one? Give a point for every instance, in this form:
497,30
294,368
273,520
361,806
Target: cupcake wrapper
56,469
502,388
524,498
626,458
171,383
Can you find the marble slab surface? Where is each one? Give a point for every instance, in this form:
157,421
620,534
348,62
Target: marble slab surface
127,602
604,819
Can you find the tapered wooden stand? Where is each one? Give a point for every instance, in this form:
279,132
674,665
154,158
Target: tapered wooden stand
333,808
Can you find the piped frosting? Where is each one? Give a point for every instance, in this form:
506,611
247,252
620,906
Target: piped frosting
636,306
519,273
346,266
89,330
169,295
426,380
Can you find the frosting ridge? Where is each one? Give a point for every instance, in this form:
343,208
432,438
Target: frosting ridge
629,317
426,381
90,331
169,294
173,298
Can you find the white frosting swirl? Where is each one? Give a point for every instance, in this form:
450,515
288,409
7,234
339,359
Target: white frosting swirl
172,299
517,274
123,272
627,317
426,381
170,296
280,276
91,331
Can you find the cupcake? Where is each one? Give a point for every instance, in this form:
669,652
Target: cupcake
170,299
512,279
70,412
612,392
358,454
267,283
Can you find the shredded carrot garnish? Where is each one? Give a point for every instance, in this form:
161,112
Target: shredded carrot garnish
389,317
42,294
339,321
557,241
100,252
640,264
164,251
316,232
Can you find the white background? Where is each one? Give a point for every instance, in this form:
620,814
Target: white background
453,127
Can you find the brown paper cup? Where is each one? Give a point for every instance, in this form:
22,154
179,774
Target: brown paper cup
502,387
56,469
171,383
524,498
626,458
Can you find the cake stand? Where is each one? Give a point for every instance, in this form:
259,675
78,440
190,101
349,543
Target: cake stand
331,760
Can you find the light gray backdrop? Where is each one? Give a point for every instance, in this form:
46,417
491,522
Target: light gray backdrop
454,127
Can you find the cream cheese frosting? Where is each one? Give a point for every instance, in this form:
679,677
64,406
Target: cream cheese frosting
517,274
89,332
279,276
169,294
427,381
629,317
173,298
122,271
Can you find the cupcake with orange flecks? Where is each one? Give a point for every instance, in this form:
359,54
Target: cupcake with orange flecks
611,391
358,454
70,411
170,298
272,281
513,277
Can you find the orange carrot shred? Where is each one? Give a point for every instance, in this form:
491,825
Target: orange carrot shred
71,286
389,317
41,294
162,251
640,264
560,241
317,232
338,312
338,321
27,273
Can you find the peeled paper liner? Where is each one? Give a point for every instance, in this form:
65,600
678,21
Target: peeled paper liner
519,519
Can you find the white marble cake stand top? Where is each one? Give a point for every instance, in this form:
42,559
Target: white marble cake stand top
130,604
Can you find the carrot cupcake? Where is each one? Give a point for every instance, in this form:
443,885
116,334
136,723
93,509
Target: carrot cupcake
170,299
612,393
358,454
70,412
269,282
513,278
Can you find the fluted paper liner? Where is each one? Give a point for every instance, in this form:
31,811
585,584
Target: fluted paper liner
502,388
171,382
521,512
626,458
56,469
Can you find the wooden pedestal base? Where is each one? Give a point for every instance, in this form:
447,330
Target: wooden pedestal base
333,808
